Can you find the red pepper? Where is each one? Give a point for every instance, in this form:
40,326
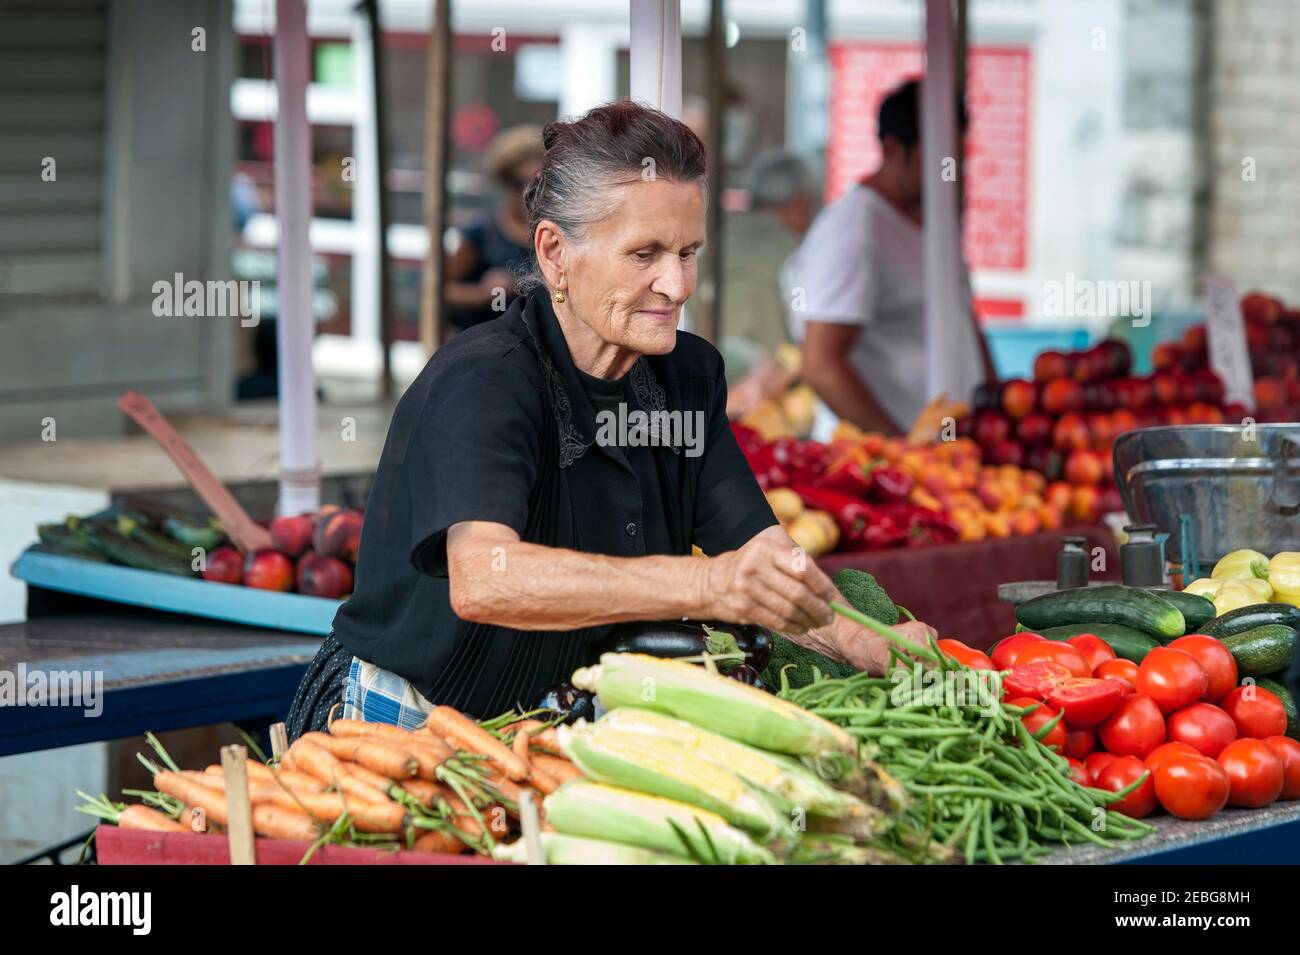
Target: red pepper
854,516
890,484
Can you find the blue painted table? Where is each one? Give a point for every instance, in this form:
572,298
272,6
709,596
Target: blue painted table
154,672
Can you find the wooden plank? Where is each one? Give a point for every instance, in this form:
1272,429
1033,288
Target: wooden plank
77,231
72,151
56,32
239,808
42,110
52,72
27,190
57,273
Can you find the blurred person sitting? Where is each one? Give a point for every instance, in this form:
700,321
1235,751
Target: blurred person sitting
857,286
755,244
496,249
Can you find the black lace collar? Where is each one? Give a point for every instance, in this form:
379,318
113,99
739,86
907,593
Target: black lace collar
575,418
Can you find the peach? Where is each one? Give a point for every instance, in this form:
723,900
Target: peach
268,570
224,565
292,534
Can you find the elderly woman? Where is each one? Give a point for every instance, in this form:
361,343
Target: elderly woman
501,542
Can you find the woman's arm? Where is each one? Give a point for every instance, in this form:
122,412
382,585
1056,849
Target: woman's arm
498,579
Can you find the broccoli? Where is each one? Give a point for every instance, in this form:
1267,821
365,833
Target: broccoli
862,591
865,595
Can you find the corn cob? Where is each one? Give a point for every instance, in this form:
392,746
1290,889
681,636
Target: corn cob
664,768
713,702
794,784
584,808
572,850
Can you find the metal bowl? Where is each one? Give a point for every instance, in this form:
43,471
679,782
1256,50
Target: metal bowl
1223,487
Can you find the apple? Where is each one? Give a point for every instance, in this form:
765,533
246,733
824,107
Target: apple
1083,467
324,576
1050,365
224,565
1070,433
1166,356
1165,386
268,569
1007,452
1255,306
1034,428
292,534
1085,503
1061,395
991,427
338,534
1019,398
1045,460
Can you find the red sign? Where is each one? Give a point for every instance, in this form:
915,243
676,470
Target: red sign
998,96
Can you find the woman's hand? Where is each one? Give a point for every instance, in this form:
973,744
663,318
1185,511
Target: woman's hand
868,650
770,582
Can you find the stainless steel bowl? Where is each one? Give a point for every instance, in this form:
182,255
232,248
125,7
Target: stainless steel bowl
1231,486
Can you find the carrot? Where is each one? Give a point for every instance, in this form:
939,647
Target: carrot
389,732
143,817
380,755
464,734
556,767
462,818
368,815
423,790
507,788
313,759
443,842
381,784
212,801
261,773
277,822
543,781
540,736
520,746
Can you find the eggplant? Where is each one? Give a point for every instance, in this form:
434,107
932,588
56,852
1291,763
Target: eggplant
683,638
746,674
566,698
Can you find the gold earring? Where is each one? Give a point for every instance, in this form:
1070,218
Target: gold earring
559,295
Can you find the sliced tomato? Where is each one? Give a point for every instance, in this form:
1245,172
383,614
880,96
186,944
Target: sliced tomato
1123,772
966,656
1008,649
1085,701
1288,750
1204,727
1052,652
1034,680
1126,671
1095,650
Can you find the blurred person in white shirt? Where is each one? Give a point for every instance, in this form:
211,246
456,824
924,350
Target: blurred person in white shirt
856,286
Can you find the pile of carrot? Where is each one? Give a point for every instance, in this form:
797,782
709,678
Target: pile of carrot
450,786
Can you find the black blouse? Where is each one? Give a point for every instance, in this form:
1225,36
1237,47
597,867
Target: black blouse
499,427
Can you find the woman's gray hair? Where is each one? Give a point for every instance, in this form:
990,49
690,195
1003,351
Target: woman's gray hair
613,144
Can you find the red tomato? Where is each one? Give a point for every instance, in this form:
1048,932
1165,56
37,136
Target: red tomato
1080,742
1040,717
1191,787
1256,711
1171,678
1079,772
1204,727
1097,762
1164,750
1135,728
1126,671
1085,702
1008,649
1034,679
966,656
1254,771
1215,659
1095,650
1120,773
1287,750
1049,651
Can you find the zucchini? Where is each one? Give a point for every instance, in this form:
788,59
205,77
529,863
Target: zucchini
1197,610
194,532
1130,606
1273,683
1262,649
1127,642
1248,618
121,549
67,542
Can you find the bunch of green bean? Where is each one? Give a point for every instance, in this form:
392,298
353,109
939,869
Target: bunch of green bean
979,782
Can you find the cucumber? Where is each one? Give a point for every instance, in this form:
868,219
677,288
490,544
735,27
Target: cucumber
1262,649
121,549
1127,642
1273,683
1197,610
1130,606
1248,618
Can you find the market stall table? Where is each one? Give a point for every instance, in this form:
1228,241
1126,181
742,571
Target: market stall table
159,672
954,587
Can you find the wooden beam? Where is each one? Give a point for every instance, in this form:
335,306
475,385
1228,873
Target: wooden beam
436,119
709,323
379,87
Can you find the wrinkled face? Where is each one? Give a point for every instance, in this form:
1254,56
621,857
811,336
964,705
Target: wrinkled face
630,276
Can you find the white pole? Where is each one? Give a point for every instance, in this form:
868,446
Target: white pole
655,52
952,351
299,465
365,194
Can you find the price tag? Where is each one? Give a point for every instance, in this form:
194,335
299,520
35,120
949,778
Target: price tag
1226,341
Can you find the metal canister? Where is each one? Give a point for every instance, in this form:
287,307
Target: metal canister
1072,564
1142,558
